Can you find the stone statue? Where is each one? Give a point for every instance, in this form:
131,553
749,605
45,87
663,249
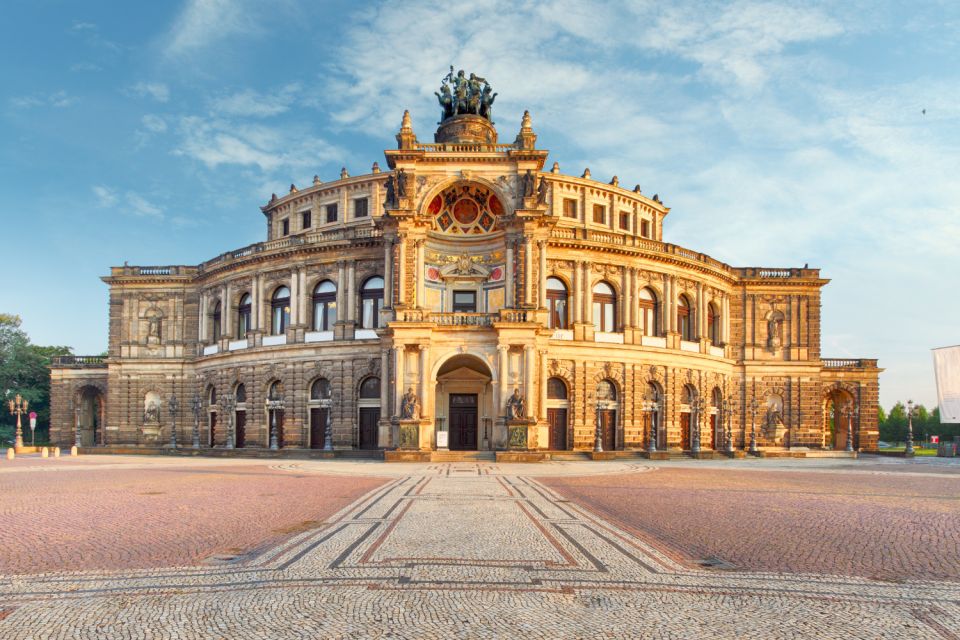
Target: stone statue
401,183
152,413
464,267
446,101
486,102
153,327
542,190
775,331
461,95
409,406
515,408
391,198
528,185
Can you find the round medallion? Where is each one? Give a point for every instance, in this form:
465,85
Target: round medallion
466,211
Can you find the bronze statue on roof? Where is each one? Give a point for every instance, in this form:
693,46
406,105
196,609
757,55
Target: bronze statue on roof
462,95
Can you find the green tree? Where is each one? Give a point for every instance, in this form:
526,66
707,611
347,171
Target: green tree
894,428
24,369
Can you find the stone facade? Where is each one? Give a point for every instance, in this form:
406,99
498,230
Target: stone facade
464,275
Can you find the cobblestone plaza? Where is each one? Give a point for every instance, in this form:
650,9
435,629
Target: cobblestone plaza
169,547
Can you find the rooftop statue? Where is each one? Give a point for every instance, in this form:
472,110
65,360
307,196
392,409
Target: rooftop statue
462,95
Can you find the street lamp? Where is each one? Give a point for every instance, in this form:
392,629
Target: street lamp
650,406
754,407
731,410
173,406
226,405
598,434
908,450
327,403
18,406
698,406
196,405
848,412
274,404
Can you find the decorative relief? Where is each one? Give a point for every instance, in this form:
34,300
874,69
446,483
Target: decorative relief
465,209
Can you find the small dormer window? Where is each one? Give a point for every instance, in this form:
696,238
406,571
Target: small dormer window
285,227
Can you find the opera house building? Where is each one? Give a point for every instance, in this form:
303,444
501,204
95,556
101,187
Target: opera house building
468,296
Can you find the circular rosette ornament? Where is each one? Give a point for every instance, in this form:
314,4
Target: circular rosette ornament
465,209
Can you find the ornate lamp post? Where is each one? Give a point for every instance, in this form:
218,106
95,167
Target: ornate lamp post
848,412
173,406
698,406
226,405
327,403
754,407
196,405
598,431
731,410
18,406
650,406
274,404
908,450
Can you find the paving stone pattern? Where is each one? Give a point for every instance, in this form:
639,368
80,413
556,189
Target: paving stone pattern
412,558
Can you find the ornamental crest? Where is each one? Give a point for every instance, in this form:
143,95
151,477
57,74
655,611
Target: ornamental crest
465,209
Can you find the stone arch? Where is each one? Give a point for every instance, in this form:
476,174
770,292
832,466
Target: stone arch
506,198
836,397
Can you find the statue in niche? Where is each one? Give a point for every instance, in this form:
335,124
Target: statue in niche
152,412
391,198
775,330
401,183
409,406
153,327
528,185
515,408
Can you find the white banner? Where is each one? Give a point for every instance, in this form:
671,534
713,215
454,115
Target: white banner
946,366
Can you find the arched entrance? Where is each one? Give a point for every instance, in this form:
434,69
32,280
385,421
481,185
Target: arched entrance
557,405
687,398
464,403
607,413
835,419
90,416
368,418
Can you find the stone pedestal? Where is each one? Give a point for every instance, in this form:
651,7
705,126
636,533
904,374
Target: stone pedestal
410,436
519,434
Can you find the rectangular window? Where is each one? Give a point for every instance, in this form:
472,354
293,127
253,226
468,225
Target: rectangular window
599,213
465,301
645,228
625,220
285,225
332,212
307,220
360,208
569,208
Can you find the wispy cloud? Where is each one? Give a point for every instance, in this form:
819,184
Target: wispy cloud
129,202
159,91
57,99
255,104
204,23
85,67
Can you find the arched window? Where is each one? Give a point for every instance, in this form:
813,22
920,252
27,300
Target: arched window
371,302
370,388
604,307
606,390
243,316
212,395
557,303
320,389
241,393
556,389
324,306
280,304
649,312
689,394
684,321
216,321
713,324
276,391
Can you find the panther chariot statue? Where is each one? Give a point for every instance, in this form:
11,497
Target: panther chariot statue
467,109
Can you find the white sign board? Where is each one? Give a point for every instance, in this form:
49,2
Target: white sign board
441,439
946,366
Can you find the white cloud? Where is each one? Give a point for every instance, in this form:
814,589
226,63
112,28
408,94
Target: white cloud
154,123
85,66
57,99
159,91
252,103
203,23
129,202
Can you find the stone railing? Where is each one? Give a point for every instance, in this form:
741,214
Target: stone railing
79,361
514,315
178,270
462,319
410,315
842,363
779,274
460,147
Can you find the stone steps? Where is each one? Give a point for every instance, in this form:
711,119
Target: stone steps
462,456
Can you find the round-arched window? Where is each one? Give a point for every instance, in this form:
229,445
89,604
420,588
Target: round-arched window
320,389
241,393
649,311
371,302
556,389
604,307
557,303
370,388
280,303
324,306
243,316
606,390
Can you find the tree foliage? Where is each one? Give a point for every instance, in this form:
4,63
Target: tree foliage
893,426
24,369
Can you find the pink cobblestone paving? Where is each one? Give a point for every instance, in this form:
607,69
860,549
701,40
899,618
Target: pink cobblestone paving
81,514
882,526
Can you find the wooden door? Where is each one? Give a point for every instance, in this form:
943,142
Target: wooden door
240,433
213,428
685,431
463,421
608,426
318,428
558,428
369,417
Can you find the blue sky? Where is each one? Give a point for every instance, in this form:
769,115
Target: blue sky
779,133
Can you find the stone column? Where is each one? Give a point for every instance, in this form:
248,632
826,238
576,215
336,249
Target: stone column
202,329
388,272
624,298
528,364
304,298
254,304
399,354
261,324
294,297
421,249
503,378
577,301
542,246
424,380
385,383
725,321
352,290
510,299
543,384
698,316
402,272
527,270
587,295
632,279
341,291
226,309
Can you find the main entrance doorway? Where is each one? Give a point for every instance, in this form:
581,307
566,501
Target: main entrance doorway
318,428
463,421
369,418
